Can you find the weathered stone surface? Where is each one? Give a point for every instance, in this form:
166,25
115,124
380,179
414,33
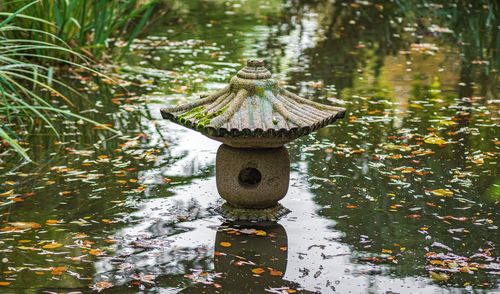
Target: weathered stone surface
253,111
270,214
252,178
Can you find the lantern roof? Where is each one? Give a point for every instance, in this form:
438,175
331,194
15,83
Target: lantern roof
253,111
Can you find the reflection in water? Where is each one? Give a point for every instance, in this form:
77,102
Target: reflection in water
251,258
364,215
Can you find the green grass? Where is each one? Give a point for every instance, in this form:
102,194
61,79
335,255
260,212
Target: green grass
85,25
21,80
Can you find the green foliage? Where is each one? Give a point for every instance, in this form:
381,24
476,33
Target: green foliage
21,80
86,25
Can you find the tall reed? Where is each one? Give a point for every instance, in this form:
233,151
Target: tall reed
21,80
86,25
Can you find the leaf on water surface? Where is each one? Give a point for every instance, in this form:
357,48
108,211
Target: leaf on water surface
435,140
4,284
275,273
25,225
8,193
80,236
258,270
442,193
351,206
260,233
225,244
52,246
95,252
447,123
52,222
59,270
102,285
439,277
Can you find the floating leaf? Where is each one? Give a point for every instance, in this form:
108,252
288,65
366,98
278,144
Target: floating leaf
52,222
447,123
4,284
25,225
59,270
99,286
52,246
225,244
258,270
439,277
435,140
260,233
95,252
275,273
8,193
442,193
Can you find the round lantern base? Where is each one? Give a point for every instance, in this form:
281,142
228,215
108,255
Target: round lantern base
233,213
252,178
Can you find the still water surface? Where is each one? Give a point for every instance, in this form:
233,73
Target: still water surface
399,197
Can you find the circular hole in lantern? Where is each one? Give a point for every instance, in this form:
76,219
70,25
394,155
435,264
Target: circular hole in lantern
249,177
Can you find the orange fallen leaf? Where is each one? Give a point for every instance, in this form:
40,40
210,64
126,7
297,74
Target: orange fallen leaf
95,252
273,272
99,286
80,236
25,225
258,270
51,221
59,270
4,284
351,206
225,244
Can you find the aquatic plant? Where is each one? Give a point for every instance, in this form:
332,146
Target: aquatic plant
86,25
22,81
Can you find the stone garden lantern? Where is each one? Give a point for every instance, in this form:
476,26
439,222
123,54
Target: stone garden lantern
253,117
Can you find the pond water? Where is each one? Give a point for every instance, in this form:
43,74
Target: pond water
399,197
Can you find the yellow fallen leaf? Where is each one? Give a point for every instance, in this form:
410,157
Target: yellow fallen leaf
442,192
435,140
8,193
386,251
51,222
225,244
447,123
439,277
4,284
258,270
260,233
52,246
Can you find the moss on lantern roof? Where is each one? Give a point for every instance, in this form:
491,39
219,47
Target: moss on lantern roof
253,111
